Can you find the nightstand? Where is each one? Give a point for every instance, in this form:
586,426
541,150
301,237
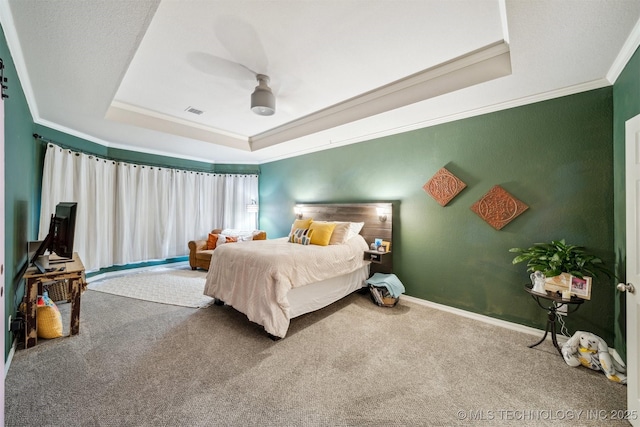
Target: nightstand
381,262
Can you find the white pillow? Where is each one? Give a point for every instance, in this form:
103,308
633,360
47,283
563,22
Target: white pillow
240,235
340,233
222,239
354,229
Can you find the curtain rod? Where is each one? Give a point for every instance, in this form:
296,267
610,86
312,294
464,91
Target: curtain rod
155,165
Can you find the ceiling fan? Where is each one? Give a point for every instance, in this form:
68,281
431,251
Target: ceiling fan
235,34
263,101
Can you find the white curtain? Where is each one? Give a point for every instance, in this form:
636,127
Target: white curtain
129,213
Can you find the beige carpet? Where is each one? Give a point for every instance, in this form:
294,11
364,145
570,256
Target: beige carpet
137,363
166,285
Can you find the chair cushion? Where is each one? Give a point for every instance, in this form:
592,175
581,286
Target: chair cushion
204,254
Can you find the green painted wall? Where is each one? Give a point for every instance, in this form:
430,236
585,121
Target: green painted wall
626,104
556,156
20,185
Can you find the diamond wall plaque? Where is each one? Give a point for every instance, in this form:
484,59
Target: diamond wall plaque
498,208
444,186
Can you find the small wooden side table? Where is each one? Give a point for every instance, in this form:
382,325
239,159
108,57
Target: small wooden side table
556,302
71,271
381,262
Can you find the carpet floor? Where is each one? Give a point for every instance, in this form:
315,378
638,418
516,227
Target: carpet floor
166,285
139,363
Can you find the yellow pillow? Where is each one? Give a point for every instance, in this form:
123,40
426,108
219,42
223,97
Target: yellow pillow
301,223
321,232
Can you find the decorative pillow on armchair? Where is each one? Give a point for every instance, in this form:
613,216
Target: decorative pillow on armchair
212,241
216,240
222,239
245,235
259,235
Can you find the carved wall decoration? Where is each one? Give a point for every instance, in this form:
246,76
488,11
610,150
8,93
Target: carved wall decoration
498,208
444,186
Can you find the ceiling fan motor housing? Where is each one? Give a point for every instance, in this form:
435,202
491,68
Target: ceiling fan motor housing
262,100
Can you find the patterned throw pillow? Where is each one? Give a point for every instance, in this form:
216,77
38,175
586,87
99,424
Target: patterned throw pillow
301,236
299,223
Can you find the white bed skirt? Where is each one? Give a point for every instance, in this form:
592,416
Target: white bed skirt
315,296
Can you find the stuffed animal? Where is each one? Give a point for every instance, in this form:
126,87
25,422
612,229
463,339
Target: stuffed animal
587,349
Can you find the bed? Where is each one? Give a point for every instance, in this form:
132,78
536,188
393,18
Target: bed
273,281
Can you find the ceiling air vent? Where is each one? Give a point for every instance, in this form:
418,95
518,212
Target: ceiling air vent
194,111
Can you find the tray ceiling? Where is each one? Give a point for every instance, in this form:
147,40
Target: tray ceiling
129,74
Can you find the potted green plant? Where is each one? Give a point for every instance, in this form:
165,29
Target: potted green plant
557,257
557,260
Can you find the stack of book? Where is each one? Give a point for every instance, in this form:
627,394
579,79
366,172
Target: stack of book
382,297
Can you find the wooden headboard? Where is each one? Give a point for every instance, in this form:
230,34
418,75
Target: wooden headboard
373,227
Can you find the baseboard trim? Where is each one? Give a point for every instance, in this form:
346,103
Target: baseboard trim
114,273
497,322
7,363
481,318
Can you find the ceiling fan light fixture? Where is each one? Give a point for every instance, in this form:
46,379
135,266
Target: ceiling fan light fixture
263,102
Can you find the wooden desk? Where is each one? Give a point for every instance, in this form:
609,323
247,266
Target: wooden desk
73,273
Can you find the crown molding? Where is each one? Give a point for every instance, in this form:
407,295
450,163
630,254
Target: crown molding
126,147
570,90
142,117
628,49
13,41
484,64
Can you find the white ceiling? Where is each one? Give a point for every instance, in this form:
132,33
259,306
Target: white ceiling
123,72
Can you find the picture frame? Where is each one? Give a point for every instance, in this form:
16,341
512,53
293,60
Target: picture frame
581,287
386,245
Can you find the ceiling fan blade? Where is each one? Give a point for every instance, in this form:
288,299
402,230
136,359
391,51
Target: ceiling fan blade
219,67
241,40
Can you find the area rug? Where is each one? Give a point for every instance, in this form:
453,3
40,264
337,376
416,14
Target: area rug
176,286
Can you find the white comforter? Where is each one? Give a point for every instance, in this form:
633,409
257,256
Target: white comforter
254,277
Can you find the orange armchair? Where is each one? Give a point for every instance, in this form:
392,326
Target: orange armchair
200,256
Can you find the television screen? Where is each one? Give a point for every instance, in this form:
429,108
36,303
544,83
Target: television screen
64,229
61,234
